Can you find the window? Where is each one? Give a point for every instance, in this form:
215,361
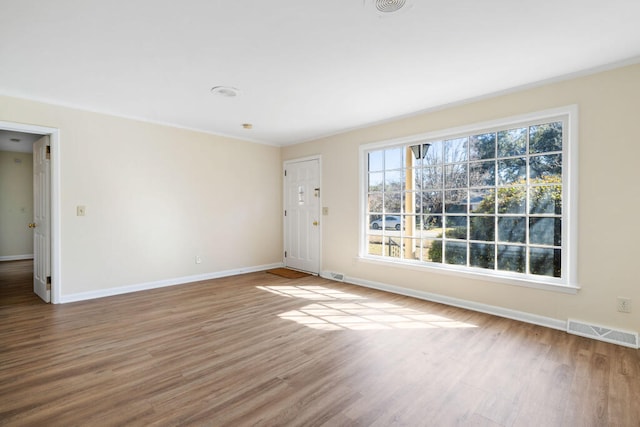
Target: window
489,199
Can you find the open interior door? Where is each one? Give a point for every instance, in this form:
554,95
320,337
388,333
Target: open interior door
41,224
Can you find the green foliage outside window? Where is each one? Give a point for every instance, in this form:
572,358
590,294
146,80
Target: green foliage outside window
545,198
497,198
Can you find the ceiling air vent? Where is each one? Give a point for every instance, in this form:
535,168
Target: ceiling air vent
225,91
389,6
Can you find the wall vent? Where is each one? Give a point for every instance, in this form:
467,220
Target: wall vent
337,276
602,333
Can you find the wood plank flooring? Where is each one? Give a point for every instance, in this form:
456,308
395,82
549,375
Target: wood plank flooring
263,350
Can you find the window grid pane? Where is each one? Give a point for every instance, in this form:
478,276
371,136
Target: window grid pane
489,200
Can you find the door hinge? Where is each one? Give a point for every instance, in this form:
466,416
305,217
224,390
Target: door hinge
48,155
285,254
48,283
285,212
285,172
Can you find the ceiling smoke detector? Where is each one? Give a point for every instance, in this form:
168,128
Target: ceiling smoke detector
389,6
225,91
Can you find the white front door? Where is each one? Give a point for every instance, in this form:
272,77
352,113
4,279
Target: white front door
42,219
302,215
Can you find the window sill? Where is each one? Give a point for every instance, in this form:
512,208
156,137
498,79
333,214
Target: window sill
527,282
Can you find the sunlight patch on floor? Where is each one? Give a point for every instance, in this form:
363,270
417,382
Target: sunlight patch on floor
336,310
309,292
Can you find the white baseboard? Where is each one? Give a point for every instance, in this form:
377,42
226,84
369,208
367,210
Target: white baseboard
456,302
82,296
16,257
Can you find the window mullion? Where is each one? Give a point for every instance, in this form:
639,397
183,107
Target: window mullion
528,162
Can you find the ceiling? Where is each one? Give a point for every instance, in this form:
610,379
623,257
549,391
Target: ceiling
18,142
304,69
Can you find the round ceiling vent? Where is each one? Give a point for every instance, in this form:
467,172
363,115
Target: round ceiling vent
389,6
226,91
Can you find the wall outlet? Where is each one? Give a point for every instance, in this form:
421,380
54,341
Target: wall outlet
624,305
198,259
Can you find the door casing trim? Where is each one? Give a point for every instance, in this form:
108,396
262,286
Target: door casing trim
54,140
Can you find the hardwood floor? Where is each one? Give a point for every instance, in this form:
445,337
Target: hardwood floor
259,349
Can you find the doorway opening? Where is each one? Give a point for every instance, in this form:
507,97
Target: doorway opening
30,133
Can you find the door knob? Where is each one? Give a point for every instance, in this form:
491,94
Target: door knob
315,222
32,225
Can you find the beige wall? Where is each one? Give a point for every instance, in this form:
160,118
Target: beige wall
608,234
156,197
16,204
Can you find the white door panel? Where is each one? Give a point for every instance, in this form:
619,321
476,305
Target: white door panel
42,219
302,215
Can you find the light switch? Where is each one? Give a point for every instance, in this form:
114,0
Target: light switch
81,211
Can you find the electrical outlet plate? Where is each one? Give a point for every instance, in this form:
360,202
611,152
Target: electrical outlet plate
624,305
198,259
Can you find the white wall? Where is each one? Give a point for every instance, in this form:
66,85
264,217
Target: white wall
16,205
608,230
156,197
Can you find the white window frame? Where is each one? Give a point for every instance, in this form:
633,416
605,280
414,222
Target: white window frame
568,283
